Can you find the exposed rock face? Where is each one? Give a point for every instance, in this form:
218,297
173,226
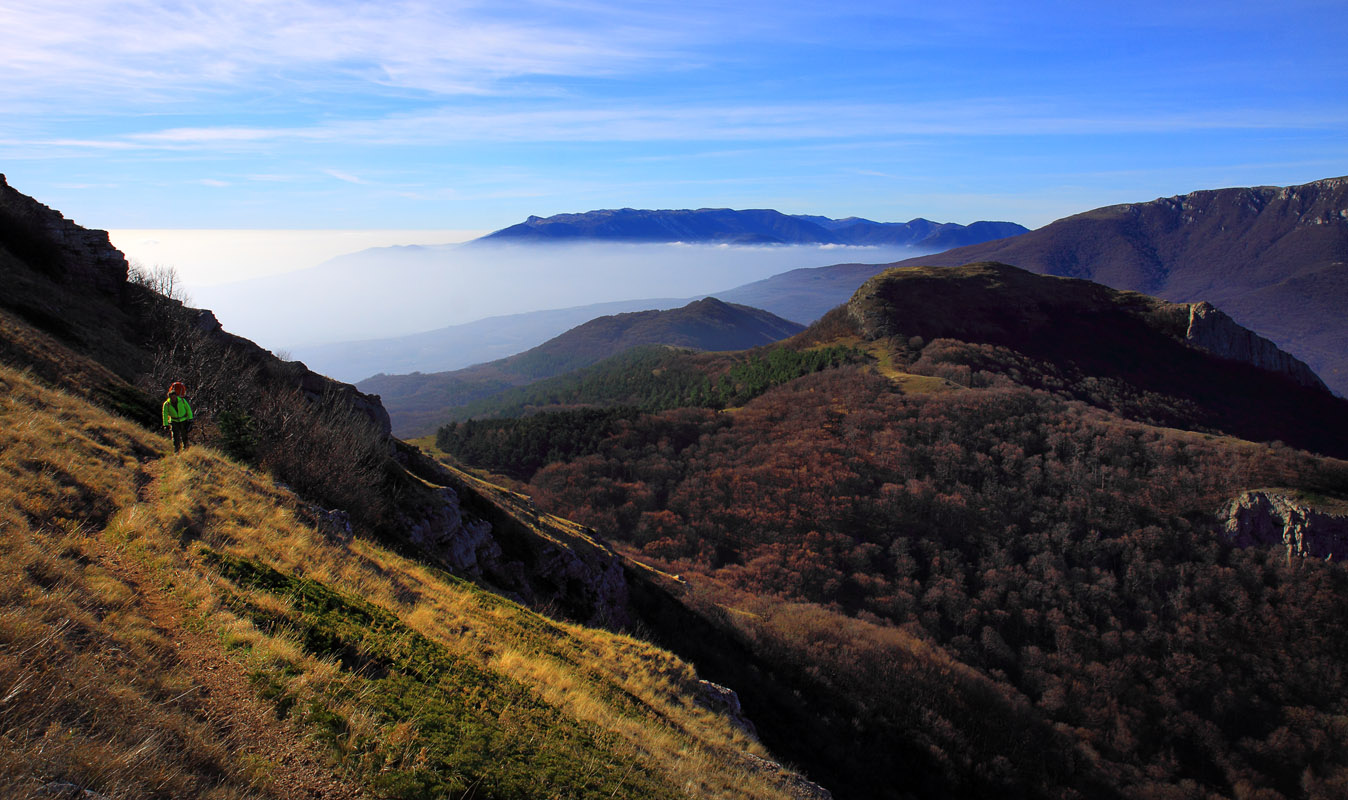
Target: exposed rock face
1215,332
465,546
1261,519
724,701
498,537
63,249
795,784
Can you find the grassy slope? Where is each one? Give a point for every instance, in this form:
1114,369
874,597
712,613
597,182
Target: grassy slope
386,678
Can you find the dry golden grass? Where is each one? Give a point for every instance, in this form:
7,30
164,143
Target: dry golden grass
882,351
101,568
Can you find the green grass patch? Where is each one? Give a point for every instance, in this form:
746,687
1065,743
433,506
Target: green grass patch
472,730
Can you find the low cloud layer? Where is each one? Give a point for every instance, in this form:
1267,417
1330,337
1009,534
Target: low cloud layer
401,290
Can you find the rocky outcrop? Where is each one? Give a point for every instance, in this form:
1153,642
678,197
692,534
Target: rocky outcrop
1263,519
486,533
1215,332
724,701
58,246
464,545
796,785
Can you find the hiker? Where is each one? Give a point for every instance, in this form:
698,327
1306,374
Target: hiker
178,415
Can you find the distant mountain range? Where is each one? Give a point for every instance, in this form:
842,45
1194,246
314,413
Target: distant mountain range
751,226
419,402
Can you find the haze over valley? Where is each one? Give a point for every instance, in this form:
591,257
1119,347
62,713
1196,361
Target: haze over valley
407,290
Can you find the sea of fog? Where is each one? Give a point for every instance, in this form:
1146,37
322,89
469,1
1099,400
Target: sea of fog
393,291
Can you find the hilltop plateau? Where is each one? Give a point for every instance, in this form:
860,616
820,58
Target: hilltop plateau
1273,258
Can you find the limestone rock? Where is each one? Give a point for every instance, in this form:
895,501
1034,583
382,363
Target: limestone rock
795,784
1215,332
1262,519
465,546
724,701
535,559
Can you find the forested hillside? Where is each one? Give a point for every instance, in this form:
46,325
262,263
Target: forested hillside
985,562
419,402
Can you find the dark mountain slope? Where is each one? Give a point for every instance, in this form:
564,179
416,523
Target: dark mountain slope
707,324
803,294
1275,259
1159,354
752,226
419,402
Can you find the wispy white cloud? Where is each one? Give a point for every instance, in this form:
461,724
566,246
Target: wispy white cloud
149,50
345,177
822,121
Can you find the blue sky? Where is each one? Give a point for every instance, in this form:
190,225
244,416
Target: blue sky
461,115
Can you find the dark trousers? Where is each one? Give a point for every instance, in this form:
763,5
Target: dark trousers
180,431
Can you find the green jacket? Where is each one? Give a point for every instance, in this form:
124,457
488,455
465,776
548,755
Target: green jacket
176,409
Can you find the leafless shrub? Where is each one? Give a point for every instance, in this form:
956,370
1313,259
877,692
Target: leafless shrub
254,411
325,450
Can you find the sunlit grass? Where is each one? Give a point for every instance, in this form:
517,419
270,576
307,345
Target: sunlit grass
96,511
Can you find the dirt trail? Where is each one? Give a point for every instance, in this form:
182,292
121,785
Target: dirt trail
297,769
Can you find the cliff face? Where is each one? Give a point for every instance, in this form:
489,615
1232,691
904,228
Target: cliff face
481,531
60,248
1263,519
1215,332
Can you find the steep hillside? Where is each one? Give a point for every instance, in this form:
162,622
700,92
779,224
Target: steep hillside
272,612
417,403
1013,552
1274,258
753,226
181,626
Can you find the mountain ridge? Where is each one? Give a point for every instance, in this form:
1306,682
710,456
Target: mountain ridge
1274,258
749,226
